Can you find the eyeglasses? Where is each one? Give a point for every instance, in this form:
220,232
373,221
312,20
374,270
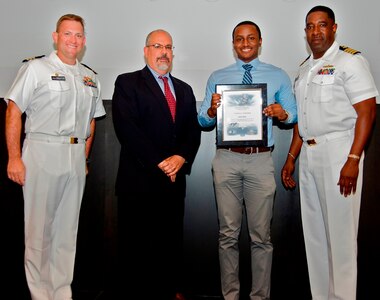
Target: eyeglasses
161,47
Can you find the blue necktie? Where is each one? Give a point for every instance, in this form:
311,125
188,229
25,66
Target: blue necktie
247,78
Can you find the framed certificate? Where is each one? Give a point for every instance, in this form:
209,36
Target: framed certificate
240,119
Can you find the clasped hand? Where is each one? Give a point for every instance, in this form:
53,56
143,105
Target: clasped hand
171,165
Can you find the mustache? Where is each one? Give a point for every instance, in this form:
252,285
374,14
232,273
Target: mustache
163,57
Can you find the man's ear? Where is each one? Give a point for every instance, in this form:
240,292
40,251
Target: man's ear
54,35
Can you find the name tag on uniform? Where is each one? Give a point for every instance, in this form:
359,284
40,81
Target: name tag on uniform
58,77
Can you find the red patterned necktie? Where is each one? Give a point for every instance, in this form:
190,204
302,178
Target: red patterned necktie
169,96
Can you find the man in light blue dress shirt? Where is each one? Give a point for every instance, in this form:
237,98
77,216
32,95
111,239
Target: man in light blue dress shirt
244,176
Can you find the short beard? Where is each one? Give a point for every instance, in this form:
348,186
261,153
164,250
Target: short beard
163,67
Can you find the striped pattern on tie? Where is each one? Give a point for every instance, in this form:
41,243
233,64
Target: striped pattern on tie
247,78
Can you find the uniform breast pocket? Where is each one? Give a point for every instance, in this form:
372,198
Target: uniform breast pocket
91,92
322,88
59,93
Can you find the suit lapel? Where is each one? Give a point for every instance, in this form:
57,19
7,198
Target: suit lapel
158,95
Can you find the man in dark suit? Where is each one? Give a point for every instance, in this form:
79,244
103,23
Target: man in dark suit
158,147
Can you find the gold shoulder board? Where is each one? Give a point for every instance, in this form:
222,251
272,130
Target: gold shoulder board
348,50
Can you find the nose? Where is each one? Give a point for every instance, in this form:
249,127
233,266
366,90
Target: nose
316,30
245,42
72,38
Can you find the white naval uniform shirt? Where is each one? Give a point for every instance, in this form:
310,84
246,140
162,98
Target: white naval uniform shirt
58,99
326,90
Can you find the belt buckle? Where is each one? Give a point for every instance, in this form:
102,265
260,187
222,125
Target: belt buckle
73,140
311,142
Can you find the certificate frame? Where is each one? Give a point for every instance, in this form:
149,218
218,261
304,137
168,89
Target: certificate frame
240,119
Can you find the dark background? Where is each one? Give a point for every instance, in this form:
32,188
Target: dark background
96,249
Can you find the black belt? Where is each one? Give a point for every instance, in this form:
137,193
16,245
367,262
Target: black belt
248,150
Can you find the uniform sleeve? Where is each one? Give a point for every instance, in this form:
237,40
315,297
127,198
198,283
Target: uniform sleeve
99,111
359,83
23,87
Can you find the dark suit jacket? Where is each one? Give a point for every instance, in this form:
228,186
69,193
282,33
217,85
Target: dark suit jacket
146,132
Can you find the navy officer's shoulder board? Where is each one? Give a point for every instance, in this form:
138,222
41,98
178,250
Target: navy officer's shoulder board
88,68
349,50
32,58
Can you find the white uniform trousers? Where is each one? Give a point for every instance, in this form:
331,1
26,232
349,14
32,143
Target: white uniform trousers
53,190
330,220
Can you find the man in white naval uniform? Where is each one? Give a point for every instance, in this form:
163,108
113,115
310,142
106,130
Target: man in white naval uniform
336,102
61,99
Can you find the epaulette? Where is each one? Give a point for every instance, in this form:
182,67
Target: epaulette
305,60
349,50
88,68
31,58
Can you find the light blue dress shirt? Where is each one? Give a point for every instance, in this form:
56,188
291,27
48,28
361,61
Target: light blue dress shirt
161,83
279,90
